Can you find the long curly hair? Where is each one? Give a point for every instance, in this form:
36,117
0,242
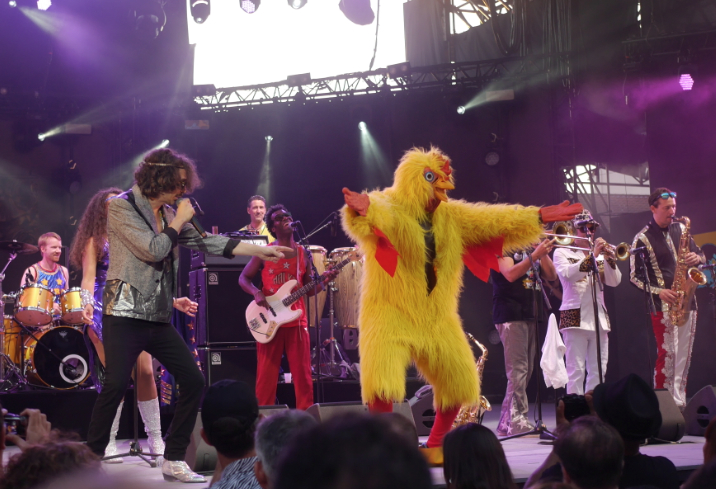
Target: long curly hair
159,172
92,225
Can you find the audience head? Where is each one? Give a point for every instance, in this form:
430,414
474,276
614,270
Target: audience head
629,405
402,426
39,464
710,445
591,452
473,457
703,478
273,434
229,414
352,451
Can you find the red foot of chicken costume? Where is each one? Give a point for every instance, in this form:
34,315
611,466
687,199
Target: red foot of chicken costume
416,241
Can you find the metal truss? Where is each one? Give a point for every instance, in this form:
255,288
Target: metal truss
475,12
642,49
454,75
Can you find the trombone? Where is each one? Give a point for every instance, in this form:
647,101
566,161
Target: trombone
564,238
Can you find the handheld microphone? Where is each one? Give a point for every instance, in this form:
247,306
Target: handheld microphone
294,224
194,222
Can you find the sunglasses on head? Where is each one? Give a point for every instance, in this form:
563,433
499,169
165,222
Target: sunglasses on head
591,227
664,195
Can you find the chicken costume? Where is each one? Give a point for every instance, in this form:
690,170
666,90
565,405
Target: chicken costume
415,242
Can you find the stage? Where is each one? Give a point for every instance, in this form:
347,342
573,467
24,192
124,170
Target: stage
523,454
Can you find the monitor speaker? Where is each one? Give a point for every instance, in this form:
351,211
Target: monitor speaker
326,410
672,421
700,411
423,411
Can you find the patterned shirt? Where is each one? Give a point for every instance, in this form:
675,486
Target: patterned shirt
238,475
55,281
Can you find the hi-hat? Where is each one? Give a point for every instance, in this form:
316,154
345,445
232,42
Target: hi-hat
19,248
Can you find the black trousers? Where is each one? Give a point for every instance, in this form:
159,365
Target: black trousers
124,340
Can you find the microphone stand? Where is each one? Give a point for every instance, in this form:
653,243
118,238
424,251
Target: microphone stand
317,349
7,366
594,278
649,306
540,428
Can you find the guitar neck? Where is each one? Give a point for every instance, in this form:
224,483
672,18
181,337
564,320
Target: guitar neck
290,299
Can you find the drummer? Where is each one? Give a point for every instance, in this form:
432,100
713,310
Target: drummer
48,271
257,210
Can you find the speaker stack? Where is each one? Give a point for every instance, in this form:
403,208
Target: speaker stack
700,411
226,348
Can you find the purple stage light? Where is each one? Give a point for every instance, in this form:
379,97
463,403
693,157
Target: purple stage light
250,6
44,4
686,82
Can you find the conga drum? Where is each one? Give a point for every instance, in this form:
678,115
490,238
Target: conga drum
319,260
346,298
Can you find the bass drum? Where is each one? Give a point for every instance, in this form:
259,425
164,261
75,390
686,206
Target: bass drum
346,298
11,342
44,368
319,260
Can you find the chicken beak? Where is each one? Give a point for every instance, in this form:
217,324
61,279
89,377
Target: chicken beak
441,187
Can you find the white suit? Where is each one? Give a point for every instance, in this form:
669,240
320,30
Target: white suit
578,333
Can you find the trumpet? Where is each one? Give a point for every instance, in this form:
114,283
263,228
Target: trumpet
564,237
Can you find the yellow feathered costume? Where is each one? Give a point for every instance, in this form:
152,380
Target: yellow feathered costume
399,320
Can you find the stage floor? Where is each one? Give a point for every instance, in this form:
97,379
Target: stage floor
523,454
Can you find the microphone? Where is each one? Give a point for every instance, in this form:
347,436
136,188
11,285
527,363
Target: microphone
634,251
197,207
194,222
294,224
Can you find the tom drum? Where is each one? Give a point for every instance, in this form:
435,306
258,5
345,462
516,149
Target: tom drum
33,305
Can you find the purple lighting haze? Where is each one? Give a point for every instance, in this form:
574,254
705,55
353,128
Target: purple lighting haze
686,81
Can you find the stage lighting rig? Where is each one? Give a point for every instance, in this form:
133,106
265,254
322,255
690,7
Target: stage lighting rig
200,10
250,6
297,4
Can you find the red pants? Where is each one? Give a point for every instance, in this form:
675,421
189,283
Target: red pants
297,345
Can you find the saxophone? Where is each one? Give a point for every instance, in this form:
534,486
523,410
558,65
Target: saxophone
686,279
474,414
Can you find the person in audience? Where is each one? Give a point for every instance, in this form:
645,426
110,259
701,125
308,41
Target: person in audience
352,451
591,453
402,426
710,445
703,478
38,464
632,408
273,434
474,459
229,414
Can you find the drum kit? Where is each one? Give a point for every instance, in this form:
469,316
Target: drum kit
343,295
37,347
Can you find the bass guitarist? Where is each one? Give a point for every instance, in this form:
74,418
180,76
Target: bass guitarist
292,337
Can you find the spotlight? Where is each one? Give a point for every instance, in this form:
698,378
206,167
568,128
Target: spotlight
200,10
687,73
44,4
492,158
399,71
297,4
164,143
250,6
461,110
41,137
12,3
362,126
357,11
149,20
686,82
269,138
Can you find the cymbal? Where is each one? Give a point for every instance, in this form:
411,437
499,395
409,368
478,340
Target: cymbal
19,248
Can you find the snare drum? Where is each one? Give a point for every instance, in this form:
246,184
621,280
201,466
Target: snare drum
11,344
33,306
319,260
346,298
71,303
44,368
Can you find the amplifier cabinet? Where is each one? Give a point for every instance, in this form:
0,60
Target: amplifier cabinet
235,363
220,318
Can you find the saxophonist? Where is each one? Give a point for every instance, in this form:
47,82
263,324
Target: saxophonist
661,240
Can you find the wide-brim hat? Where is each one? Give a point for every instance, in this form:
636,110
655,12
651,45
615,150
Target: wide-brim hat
229,399
629,405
